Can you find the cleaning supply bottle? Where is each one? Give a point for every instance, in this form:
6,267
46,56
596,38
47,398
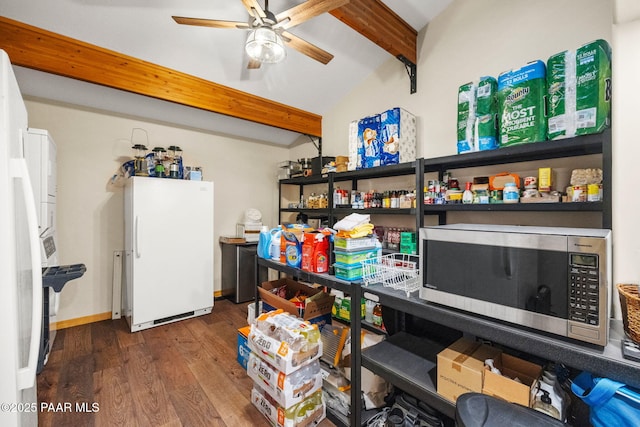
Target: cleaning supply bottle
274,243
264,243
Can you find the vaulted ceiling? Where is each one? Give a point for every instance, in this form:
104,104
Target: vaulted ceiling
80,46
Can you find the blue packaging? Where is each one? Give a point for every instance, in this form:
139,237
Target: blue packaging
368,136
390,137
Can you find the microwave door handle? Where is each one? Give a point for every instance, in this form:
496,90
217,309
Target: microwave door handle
506,262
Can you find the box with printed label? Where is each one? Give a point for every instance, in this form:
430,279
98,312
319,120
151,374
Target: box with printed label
243,349
461,367
398,137
317,305
284,340
521,391
287,390
309,412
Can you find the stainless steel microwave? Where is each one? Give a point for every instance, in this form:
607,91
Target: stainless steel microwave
551,279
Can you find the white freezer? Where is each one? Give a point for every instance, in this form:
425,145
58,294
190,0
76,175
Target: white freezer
168,250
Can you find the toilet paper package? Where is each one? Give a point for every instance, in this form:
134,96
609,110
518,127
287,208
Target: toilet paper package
368,137
398,139
466,118
521,104
579,90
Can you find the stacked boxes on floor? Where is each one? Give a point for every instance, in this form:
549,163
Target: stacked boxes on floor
349,252
284,364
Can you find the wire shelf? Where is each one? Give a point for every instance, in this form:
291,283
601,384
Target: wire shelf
397,271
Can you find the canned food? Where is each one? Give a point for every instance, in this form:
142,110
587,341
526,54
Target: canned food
579,193
594,192
495,196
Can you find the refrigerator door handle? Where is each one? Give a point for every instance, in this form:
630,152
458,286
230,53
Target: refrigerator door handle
26,375
136,233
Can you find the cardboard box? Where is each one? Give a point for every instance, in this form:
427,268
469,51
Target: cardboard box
461,367
317,310
286,390
243,348
309,412
504,387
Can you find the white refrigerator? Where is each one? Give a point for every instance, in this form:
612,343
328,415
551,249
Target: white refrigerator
20,271
168,250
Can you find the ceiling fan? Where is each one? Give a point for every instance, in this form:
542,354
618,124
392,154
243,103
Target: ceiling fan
268,31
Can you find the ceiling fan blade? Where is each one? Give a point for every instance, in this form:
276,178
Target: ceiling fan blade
253,64
254,8
214,23
305,11
306,48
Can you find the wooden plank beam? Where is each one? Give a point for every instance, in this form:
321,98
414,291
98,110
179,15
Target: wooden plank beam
42,50
374,20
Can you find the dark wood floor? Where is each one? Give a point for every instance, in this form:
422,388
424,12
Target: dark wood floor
181,374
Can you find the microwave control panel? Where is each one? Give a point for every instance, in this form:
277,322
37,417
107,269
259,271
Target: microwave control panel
584,288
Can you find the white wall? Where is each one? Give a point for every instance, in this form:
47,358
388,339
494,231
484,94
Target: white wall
626,150
472,38
91,147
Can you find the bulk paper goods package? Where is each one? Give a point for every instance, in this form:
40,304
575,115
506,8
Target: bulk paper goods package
477,116
397,139
356,150
485,129
368,134
466,117
521,103
579,90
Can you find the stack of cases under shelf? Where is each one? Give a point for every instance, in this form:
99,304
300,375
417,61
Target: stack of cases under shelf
349,252
284,364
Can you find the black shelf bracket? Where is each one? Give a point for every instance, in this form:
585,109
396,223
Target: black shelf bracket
412,70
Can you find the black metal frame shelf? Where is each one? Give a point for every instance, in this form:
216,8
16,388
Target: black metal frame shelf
396,358
356,294
570,147
607,361
521,207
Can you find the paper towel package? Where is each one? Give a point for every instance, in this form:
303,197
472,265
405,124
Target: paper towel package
521,101
397,136
466,117
486,129
579,90
383,139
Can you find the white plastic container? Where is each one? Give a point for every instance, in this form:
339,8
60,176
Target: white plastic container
511,193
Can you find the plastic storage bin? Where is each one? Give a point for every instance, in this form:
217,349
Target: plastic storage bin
348,272
357,244
355,257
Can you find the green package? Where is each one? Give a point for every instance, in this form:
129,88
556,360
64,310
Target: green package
486,96
579,90
521,101
486,132
466,117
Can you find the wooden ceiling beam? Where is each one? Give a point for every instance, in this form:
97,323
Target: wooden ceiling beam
374,20
42,50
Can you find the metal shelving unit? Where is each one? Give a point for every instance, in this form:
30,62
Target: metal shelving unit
408,362
400,368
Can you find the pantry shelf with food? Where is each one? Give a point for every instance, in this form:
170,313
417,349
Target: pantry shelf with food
520,158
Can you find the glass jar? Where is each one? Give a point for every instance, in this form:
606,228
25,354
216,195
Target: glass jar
511,193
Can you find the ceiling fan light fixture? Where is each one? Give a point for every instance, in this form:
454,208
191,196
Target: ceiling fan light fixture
265,45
